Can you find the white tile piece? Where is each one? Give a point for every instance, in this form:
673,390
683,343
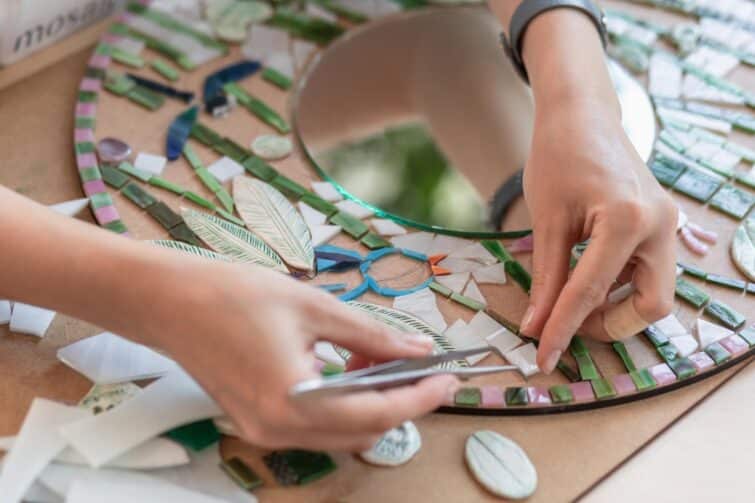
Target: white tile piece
416,241
637,348
325,351
70,208
712,61
461,337
281,62
686,344
493,274
670,326
311,216
473,292
695,88
693,119
446,245
524,357
37,444
455,282
708,333
474,252
150,163
37,493
108,358
459,265
263,42
726,160
423,305
103,437
129,45
703,150
321,234
664,77
327,191
504,340
354,209
303,50
483,326
387,227
225,168
32,320
5,312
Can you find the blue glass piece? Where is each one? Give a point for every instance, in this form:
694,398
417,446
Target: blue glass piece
413,254
333,287
354,293
392,292
337,250
324,264
376,255
159,87
213,84
178,133
365,266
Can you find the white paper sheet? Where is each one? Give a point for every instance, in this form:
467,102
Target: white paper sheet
32,320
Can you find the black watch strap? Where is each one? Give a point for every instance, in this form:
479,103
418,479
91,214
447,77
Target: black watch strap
529,10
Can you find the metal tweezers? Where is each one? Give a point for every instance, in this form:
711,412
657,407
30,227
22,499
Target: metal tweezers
397,373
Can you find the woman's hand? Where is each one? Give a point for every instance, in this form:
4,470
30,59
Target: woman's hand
584,180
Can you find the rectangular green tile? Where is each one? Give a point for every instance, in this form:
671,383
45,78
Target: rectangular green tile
734,284
205,135
318,203
195,436
621,350
468,397
94,73
276,78
126,58
146,98
655,336
113,177
85,123
683,368
84,147
164,69
748,334
516,396
467,302
129,168
225,199
181,232
100,200
288,187
230,148
88,96
587,369
733,201
138,196
162,183
561,393
164,215
350,225
642,379
373,241
116,226
208,180
197,199
119,84
297,467
260,169
603,388
697,185
667,172
718,353
693,271
690,293
725,314
441,289
89,174
241,474
577,346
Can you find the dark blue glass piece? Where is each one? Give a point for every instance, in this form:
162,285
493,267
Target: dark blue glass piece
158,87
213,84
178,133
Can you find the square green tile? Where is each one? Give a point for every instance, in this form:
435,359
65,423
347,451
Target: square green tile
655,336
230,148
350,225
668,352
113,176
138,195
667,171
733,201
100,200
690,293
468,397
85,123
697,185
116,226
718,353
164,215
603,388
561,393
733,283
516,396
89,174
683,368
84,147
643,379
88,96
725,314
748,334
298,467
260,169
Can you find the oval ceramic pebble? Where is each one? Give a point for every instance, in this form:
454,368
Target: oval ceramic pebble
272,147
743,248
500,465
396,447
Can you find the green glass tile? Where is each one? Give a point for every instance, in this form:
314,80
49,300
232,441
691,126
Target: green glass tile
577,346
88,96
129,168
568,372
181,232
85,123
162,183
164,69
441,289
642,379
718,353
288,187
621,350
241,474
735,284
126,58
350,225
171,23
230,148
587,369
113,177
668,352
467,302
104,49
697,185
667,173
276,78
561,393
725,314
683,368
116,226
331,369
298,467
118,29
195,436
268,115
197,199
690,293
208,180
84,147
230,217
138,195
317,203
695,272
89,174
516,396
468,397
145,97
205,135
669,139
225,199
733,201
164,215
193,158
748,334
118,83
374,241
656,337
603,388
100,200
262,170
95,73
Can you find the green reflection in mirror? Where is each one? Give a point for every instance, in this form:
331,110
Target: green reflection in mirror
402,171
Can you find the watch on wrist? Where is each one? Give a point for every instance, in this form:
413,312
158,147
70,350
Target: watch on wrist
529,10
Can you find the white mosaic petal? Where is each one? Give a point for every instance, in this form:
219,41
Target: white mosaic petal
327,191
263,42
225,169
708,333
473,292
493,274
311,216
151,163
32,320
524,357
354,209
387,227
455,282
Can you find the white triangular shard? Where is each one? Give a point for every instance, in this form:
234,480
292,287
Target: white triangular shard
686,344
455,282
473,292
459,265
283,63
32,320
108,358
70,208
525,358
225,169
475,252
446,245
708,333
387,227
311,216
321,234
483,326
503,340
493,274
670,326
355,209
423,305
419,242
325,351
461,337
327,191
5,312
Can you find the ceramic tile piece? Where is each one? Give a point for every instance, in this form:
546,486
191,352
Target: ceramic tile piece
603,388
500,465
620,348
195,436
643,379
422,304
440,289
733,201
467,302
350,225
473,292
354,209
735,284
322,234
282,63
667,171
718,353
697,185
460,337
70,208
455,282
5,312
748,334
664,77
722,312
690,293
264,41
32,320
225,168
416,241
582,391
475,252
447,245
662,374
456,265
671,326
686,344
324,351
735,345
561,393
492,397
516,396
503,340
151,163
538,396
524,357
708,333
327,191
701,361
623,384
387,227
138,195
240,472
468,397
493,274
484,326
295,467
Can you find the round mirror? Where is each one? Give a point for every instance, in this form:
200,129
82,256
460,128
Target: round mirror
421,117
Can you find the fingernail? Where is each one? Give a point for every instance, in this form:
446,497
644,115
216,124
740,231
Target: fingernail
552,361
420,340
527,320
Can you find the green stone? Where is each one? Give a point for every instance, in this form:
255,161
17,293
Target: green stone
748,334
587,369
100,200
88,96
118,29
205,135
735,284
95,73
603,388
104,49
181,232
695,272
373,241
262,170
667,172
718,353
516,396
241,474
733,201
165,184
642,379
89,174
193,158
317,203
577,346
697,185
276,78
468,397
129,168
164,215
126,58
225,199
195,436
85,123
113,176
725,314
621,349
116,226
690,293
164,69
145,97
350,225
199,200
298,467
561,393
138,196
230,148
288,187
441,289
467,302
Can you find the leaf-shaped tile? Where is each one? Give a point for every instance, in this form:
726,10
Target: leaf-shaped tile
743,248
186,248
233,241
268,214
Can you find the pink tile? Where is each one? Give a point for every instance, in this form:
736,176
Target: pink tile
623,384
538,396
87,160
701,360
93,187
662,374
85,110
80,135
106,214
582,391
735,345
99,61
492,397
90,84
